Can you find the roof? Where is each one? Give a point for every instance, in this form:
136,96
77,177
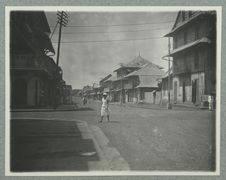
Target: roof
148,82
189,45
95,85
175,28
193,17
112,78
135,63
105,78
149,69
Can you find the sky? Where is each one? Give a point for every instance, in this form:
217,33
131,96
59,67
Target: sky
95,43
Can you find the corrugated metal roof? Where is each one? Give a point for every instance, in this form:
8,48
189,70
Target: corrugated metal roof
138,62
148,70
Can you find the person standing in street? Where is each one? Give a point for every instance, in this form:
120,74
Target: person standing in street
105,108
84,100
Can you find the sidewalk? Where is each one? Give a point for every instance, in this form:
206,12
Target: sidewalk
50,145
63,107
179,106
47,145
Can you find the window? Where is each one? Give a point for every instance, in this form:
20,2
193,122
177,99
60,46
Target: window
183,16
197,32
185,37
196,60
175,42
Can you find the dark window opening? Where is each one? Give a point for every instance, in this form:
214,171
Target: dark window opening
196,61
185,37
183,16
197,30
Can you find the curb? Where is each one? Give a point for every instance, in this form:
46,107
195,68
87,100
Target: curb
110,156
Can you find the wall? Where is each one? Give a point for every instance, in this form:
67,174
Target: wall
192,32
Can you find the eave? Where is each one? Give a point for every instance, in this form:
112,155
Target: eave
189,45
174,30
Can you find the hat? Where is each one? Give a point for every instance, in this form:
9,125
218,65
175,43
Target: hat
104,94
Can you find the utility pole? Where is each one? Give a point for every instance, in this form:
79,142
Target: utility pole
62,20
121,102
169,106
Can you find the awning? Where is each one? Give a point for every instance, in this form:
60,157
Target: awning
187,46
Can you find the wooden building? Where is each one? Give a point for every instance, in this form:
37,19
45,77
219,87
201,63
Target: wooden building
142,85
34,75
120,85
194,56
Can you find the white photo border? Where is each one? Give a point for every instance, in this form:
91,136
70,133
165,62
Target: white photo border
218,9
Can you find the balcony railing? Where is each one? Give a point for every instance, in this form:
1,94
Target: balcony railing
30,62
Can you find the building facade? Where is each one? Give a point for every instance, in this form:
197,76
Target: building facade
34,75
194,56
142,86
136,81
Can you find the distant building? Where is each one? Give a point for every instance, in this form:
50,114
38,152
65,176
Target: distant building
34,75
86,91
68,94
125,69
194,56
142,85
164,86
104,84
135,81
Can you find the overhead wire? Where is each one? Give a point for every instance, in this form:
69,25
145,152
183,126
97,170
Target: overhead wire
132,24
112,40
53,30
108,32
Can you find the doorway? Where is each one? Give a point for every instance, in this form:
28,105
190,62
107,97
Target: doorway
19,93
184,94
175,91
195,91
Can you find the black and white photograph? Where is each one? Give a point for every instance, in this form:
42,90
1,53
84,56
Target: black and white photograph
113,91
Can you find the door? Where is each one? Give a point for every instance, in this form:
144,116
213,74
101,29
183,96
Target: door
197,91
175,91
184,95
194,91
19,93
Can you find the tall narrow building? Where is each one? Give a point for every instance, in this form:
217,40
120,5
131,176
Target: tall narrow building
194,56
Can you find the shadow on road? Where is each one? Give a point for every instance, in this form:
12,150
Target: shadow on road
44,145
113,121
84,109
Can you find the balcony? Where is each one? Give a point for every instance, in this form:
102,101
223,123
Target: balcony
128,86
31,62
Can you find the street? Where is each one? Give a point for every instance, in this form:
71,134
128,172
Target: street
146,139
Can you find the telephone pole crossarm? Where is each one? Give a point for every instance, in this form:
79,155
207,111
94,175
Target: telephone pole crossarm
62,20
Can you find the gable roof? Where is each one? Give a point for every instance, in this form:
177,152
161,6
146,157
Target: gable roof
137,62
112,78
105,78
149,69
182,24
